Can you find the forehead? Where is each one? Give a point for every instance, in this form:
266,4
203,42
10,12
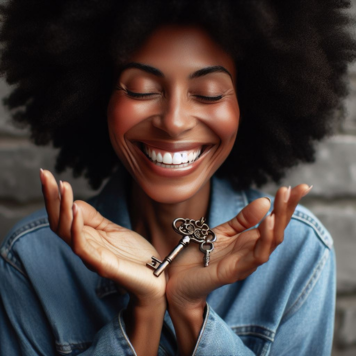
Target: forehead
170,48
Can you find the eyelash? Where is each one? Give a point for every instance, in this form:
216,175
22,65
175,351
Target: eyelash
209,98
145,95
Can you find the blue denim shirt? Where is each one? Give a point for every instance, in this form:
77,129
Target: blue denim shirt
51,304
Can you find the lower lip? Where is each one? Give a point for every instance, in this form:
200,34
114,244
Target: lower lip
172,172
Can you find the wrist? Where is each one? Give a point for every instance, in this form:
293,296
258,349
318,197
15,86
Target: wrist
192,316
185,306
140,313
143,324
187,324
145,303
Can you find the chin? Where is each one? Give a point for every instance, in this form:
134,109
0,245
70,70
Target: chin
172,193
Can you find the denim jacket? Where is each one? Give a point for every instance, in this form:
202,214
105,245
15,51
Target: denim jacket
51,304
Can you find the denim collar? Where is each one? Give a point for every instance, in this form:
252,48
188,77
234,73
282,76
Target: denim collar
112,202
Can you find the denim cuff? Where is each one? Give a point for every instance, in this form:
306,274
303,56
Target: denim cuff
217,338
112,340
122,336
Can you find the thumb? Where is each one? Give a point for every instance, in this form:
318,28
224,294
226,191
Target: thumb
246,218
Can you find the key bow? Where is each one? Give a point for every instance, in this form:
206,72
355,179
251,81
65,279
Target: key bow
197,230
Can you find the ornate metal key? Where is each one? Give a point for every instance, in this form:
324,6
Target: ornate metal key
192,230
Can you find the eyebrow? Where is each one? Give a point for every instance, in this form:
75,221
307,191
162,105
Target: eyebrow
158,73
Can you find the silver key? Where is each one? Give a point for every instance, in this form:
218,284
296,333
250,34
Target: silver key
192,230
206,251
159,266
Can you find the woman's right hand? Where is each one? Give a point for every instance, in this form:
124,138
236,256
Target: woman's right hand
110,250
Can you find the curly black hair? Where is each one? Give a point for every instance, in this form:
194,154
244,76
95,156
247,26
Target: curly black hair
291,59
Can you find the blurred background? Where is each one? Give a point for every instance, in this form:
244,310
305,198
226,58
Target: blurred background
332,200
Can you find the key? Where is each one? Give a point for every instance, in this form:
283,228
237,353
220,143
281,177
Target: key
192,230
160,266
206,251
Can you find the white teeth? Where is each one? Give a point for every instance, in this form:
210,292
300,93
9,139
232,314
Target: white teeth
172,160
159,157
177,158
184,157
167,158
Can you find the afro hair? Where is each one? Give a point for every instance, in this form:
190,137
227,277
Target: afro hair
63,56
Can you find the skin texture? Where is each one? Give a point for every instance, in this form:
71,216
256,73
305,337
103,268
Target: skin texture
174,112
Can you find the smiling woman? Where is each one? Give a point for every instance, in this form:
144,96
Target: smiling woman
184,106
176,99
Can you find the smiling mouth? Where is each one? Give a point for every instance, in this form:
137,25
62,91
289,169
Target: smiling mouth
172,160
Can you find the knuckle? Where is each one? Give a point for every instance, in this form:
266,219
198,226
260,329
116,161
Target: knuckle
260,260
279,239
79,202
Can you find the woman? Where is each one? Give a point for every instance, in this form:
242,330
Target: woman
185,95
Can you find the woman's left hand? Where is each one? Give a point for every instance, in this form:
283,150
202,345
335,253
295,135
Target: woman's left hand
237,252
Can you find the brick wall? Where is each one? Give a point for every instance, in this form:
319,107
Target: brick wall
333,198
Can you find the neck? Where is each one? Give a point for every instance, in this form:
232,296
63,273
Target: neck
153,220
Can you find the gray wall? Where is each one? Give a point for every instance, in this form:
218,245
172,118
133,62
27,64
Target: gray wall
333,198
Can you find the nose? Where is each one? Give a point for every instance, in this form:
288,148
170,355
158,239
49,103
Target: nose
175,118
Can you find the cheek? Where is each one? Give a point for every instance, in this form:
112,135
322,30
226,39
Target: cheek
123,114
224,121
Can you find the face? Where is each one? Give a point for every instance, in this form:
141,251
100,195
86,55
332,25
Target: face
173,116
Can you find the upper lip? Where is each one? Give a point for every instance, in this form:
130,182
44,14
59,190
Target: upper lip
174,146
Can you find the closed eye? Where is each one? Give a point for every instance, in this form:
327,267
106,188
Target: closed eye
145,95
138,95
135,95
208,98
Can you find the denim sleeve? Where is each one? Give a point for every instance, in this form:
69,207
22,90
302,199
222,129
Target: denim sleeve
217,338
305,329
25,330
111,340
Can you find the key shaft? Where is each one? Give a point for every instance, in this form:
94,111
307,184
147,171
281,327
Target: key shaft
159,266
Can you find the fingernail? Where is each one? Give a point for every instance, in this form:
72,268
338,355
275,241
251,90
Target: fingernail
61,187
271,222
308,190
268,199
287,194
41,175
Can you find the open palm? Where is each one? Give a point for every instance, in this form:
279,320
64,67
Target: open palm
237,253
106,248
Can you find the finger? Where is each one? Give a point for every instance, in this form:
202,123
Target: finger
263,246
66,213
285,203
297,193
280,211
80,245
94,219
51,198
248,217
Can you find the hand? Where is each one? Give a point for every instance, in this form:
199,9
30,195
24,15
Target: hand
108,249
237,252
